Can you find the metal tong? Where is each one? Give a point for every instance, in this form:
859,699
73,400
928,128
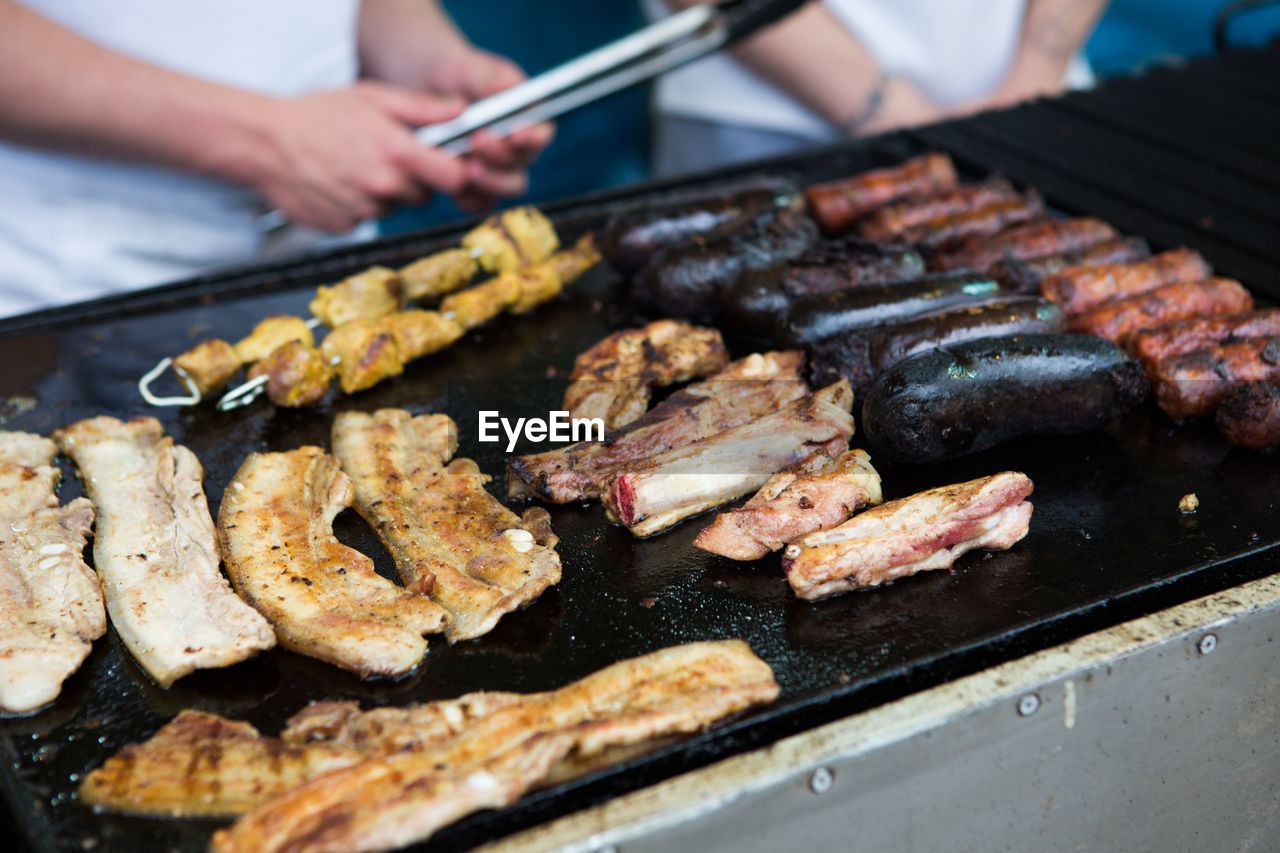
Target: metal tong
658,48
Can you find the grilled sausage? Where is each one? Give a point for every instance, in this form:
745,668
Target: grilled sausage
953,230
1250,415
893,222
1025,276
687,280
1113,320
969,397
862,357
813,318
1151,345
754,303
632,237
1083,288
838,204
1195,382
1034,240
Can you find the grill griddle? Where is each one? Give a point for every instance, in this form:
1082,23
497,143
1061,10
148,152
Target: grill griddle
1107,542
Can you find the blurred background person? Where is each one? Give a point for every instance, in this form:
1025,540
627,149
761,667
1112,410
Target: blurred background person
140,139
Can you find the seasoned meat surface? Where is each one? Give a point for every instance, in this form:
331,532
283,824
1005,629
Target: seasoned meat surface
1119,318
1194,383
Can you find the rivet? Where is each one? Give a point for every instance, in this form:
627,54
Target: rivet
1207,643
821,780
1028,705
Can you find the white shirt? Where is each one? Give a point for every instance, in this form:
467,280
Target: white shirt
954,50
74,228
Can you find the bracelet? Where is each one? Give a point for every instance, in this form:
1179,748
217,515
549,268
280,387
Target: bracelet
875,100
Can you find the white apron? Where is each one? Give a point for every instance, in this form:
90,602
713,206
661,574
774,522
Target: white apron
75,228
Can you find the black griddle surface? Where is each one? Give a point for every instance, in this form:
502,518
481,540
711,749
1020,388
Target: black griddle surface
1107,541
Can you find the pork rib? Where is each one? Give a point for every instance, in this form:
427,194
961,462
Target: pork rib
324,599
746,389
928,530
156,552
815,493
613,379
652,495
449,537
394,800
50,601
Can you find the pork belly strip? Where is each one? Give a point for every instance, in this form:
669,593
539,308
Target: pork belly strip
613,379
1177,301
323,598
813,494
202,765
1078,290
652,495
156,551
398,799
928,530
1195,382
50,601
1152,345
744,390
449,537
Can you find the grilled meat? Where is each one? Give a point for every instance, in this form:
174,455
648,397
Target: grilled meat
744,390
207,366
1195,382
418,333
375,292
439,274
156,552
272,332
632,237
363,352
970,396
1025,276
513,239
614,378
297,375
1152,345
1249,415
1081,289
1034,240
449,537
1177,301
324,599
398,799
953,230
650,496
689,280
898,221
50,601
813,494
838,204
929,530
863,356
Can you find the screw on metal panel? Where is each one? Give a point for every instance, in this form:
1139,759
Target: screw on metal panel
822,780
1207,643
1028,705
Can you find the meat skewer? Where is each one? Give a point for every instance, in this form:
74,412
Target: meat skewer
897,220
156,552
395,800
450,539
1152,345
614,378
1033,240
1084,288
651,496
50,601
1118,318
929,530
323,598
1249,416
744,390
1195,382
813,494
838,204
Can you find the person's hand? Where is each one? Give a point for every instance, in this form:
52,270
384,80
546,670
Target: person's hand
497,167
334,158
